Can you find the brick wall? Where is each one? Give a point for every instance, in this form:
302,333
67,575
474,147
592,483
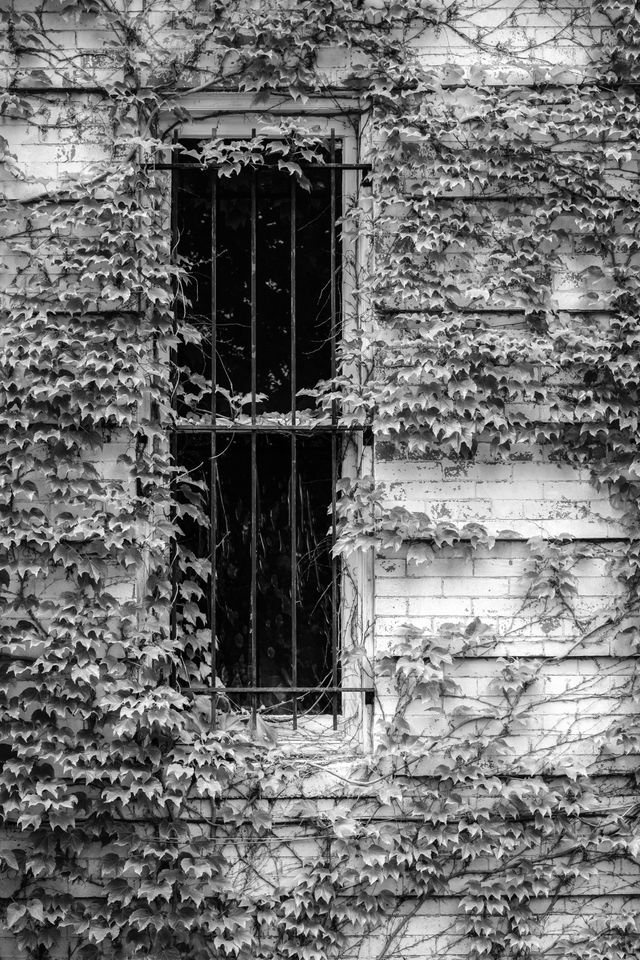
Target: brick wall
517,497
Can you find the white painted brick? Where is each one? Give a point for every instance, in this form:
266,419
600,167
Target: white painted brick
438,606
406,587
391,607
525,491
438,566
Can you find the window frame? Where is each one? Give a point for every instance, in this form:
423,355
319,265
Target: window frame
355,613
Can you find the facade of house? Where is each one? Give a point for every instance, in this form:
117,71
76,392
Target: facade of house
319,492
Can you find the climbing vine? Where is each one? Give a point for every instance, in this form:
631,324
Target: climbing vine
132,826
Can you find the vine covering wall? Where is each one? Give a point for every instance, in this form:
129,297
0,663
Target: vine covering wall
502,210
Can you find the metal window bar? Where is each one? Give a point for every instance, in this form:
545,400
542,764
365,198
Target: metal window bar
173,438
213,478
334,438
254,452
334,689
342,167
293,495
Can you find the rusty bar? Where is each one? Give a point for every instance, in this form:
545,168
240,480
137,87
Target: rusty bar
365,167
293,525
334,459
213,500
173,441
321,427
254,294
254,452
297,111
258,690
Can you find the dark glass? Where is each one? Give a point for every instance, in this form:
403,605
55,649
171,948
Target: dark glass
313,283
193,227
273,347
233,294
314,576
273,567
273,285
268,191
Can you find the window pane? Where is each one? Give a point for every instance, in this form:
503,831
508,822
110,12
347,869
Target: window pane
314,598
273,563
313,283
273,260
233,291
279,598
273,285
193,223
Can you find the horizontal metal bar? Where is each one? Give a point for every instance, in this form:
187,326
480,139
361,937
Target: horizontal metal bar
294,111
107,313
267,428
223,690
366,167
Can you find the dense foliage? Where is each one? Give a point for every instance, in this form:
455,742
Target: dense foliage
132,827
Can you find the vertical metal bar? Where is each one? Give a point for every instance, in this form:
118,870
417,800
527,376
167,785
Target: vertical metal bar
213,500
254,459
334,456
173,442
293,516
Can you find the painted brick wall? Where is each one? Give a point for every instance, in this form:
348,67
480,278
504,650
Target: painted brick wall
516,497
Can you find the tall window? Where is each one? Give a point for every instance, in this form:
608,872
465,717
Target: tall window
261,248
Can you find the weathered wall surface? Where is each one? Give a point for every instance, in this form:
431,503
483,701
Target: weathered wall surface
530,494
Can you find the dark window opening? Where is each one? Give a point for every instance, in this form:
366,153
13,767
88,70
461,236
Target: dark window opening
257,584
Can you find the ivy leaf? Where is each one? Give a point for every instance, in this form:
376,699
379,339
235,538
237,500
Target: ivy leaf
10,859
15,912
35,909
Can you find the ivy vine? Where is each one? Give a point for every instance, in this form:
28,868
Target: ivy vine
131,826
